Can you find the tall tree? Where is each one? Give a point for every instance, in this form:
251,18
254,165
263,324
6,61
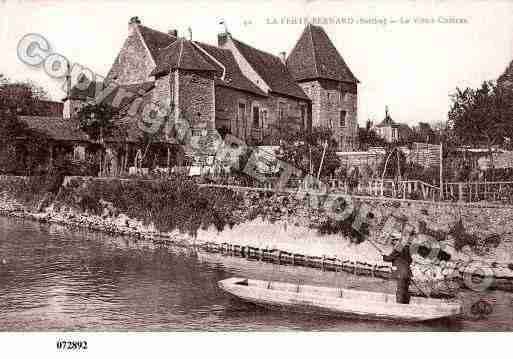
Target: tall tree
23,97
482,117
424,133
96,120
19,98
305,150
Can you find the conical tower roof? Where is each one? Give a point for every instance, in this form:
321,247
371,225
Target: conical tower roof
315,57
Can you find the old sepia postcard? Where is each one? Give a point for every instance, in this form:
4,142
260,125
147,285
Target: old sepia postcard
254,166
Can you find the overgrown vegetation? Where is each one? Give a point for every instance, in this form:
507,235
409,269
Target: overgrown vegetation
482,116
30,191
173,203
22,151
311,152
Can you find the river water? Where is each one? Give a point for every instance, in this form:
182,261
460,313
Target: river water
54,278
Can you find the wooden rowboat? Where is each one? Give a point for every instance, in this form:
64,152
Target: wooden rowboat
343,302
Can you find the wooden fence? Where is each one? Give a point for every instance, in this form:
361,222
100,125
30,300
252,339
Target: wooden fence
408,189
464,192
479,191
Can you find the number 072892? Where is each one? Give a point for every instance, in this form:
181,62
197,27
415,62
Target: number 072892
72,345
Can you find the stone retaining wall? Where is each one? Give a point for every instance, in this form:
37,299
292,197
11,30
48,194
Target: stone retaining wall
294,233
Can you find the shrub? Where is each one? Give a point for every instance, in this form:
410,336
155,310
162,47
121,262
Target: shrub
29,191
173,203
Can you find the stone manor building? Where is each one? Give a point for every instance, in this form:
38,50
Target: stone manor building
234,87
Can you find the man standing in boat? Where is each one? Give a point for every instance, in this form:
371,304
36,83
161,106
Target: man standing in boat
401,259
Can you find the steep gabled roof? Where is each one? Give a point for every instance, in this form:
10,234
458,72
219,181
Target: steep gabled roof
272,70
56,128
315,57
128,95
233,76
506,79
155,40
182,54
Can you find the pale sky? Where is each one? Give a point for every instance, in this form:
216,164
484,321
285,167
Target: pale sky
412,68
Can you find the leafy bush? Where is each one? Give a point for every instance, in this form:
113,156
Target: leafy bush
29,191
173,203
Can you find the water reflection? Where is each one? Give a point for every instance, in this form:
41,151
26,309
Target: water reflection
60,279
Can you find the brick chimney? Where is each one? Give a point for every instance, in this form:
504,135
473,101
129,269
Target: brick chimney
173,32
222,38
283,56
132,24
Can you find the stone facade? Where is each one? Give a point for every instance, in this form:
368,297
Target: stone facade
163,92
251,93
277,113
195,97
334,106
189,93
256,119
294,115
134,62
228,112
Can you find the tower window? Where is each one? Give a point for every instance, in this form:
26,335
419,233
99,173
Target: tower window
343,115
303,117
256,117
281,111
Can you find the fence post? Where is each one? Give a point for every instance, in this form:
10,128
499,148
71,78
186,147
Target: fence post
441,173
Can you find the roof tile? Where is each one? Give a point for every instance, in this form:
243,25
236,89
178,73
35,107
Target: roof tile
155,40
272,70
182,54
314,56
55,128
233,76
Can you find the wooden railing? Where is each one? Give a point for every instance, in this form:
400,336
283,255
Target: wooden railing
408,189
478,191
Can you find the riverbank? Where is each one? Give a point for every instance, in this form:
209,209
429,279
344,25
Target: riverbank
280,222
67,279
